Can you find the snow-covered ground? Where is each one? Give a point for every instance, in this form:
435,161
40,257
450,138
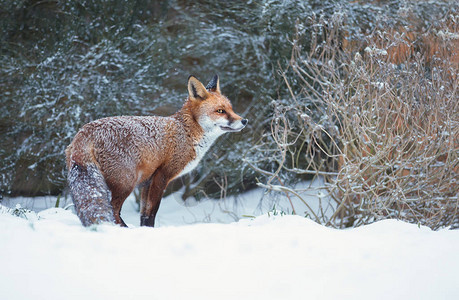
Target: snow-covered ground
200,252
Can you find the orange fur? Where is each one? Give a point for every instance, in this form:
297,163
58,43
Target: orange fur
152,150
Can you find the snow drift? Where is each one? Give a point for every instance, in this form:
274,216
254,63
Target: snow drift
50,255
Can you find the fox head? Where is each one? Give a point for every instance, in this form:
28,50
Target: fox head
211,109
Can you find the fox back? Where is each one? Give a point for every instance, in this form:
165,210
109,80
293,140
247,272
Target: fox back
109,157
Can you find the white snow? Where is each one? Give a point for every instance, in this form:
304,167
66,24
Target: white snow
50,255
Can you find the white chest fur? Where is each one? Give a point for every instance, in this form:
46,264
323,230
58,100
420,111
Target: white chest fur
201,148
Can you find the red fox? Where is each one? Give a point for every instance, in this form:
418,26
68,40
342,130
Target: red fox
109,157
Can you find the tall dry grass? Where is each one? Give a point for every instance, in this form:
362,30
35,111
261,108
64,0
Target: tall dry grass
378,119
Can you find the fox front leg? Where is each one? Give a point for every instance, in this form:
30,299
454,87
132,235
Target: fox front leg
151,198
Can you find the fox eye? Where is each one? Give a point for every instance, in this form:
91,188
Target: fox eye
220,111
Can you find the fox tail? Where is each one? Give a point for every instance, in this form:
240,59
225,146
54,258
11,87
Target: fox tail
90,194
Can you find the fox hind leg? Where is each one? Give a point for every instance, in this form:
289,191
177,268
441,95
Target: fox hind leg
120,191
117,203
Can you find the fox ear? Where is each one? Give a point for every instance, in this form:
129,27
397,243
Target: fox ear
214,84
196,89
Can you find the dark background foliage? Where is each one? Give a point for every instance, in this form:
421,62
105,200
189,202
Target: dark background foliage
65,63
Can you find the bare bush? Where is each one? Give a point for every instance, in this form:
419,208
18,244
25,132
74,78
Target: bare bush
378,119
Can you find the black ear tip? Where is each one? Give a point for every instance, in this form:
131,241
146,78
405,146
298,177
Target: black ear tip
213,83
191,76
214,79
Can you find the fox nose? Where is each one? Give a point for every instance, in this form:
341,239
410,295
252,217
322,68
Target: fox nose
244,121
